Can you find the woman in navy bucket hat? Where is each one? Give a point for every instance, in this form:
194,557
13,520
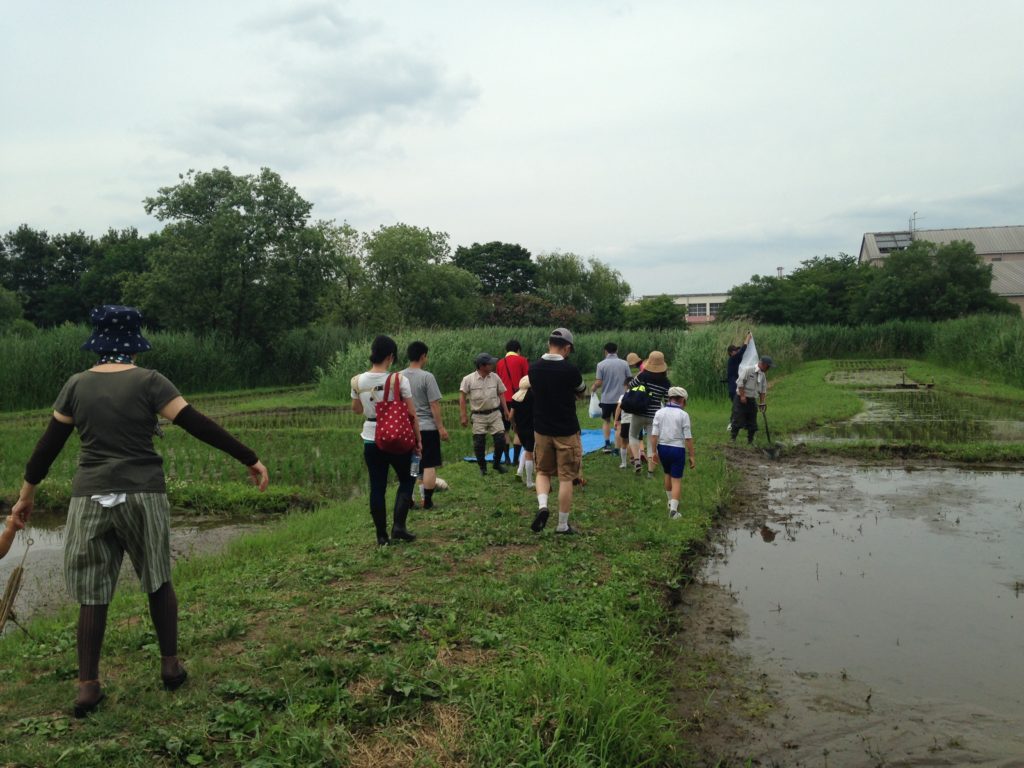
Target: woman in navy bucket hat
118,495
116,330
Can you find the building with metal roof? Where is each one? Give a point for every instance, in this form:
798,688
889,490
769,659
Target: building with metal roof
1002,247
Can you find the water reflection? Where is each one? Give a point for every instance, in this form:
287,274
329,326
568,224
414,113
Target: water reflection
925,415
906,581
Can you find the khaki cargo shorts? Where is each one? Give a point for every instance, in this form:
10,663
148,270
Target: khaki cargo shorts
561,456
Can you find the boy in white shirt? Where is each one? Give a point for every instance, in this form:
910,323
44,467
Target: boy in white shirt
671,431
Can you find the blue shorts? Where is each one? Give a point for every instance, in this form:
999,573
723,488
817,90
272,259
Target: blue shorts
673,459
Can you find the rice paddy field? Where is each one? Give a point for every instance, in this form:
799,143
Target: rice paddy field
480,644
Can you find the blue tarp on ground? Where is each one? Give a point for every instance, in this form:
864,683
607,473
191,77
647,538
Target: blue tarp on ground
593,440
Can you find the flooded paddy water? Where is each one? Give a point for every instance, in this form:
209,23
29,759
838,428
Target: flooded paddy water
869,615
42,589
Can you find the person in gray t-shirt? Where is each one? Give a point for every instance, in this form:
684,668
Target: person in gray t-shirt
612,375
426,396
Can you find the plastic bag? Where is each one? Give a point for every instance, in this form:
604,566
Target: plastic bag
750,359
595,406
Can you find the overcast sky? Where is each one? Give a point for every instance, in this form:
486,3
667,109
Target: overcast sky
688,145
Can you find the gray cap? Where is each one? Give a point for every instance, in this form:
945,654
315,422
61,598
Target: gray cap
484,359
678,392
562,333
767,361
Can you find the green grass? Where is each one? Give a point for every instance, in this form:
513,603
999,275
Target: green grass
480,644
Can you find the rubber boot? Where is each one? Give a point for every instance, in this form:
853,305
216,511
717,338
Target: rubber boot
380,522
398,531
500,447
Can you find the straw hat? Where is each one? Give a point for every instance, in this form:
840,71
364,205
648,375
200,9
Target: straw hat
633,359
655,363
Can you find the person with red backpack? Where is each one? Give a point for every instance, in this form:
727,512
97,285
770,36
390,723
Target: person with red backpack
511,369
370,391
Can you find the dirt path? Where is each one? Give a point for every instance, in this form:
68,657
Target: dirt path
764,712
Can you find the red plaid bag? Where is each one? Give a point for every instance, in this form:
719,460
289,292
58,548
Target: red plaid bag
394,433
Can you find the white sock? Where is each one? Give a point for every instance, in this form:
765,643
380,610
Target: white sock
542,500
673,505
522,462
529,473
563,521
623,453
668,495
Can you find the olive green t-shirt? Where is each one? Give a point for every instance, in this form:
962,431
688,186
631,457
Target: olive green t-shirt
115,414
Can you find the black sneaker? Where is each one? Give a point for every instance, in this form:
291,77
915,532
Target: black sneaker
500,469
383,541
607,449
569,531
540,520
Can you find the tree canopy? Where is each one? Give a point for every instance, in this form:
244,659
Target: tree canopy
655,312
502,268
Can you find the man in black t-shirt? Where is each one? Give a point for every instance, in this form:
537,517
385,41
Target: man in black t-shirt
556,385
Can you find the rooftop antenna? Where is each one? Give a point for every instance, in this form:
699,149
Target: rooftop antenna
913,225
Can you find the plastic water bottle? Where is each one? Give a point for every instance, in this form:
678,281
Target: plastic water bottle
414,467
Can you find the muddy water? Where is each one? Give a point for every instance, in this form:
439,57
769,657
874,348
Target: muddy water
886,607
926,415
43,590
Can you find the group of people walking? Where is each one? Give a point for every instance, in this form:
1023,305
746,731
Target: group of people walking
119,501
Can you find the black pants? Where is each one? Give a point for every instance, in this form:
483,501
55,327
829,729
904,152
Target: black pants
744,416
378,462
480,448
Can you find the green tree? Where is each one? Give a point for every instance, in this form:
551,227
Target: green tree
10,308
120,256
238,256
45,272
500,267
655,312
822,290
929,281
594,291
409,280
340,303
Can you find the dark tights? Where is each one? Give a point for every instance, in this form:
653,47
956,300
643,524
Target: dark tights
92,625
378,462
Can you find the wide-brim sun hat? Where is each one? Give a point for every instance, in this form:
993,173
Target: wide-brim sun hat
116,329
524,387
633,359
655,363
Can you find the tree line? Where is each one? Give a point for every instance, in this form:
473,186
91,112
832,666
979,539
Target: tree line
926,281
241,256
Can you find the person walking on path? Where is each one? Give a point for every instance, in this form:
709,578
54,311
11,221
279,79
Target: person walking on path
426,396
751,390
612,374
511,369
557,384
118,494
367,391
654,378
671,430
522,420
484,392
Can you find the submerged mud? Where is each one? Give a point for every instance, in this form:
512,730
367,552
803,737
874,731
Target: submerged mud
860,616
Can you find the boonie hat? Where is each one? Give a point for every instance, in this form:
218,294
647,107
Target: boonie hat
562,333
484,359
678,392
656,362
116,328
767,361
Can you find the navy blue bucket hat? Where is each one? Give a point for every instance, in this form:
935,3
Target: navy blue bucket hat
116,329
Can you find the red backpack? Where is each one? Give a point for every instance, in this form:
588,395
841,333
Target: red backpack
394,432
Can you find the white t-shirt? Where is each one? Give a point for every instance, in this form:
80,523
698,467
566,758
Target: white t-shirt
624,417
671,426
371,391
